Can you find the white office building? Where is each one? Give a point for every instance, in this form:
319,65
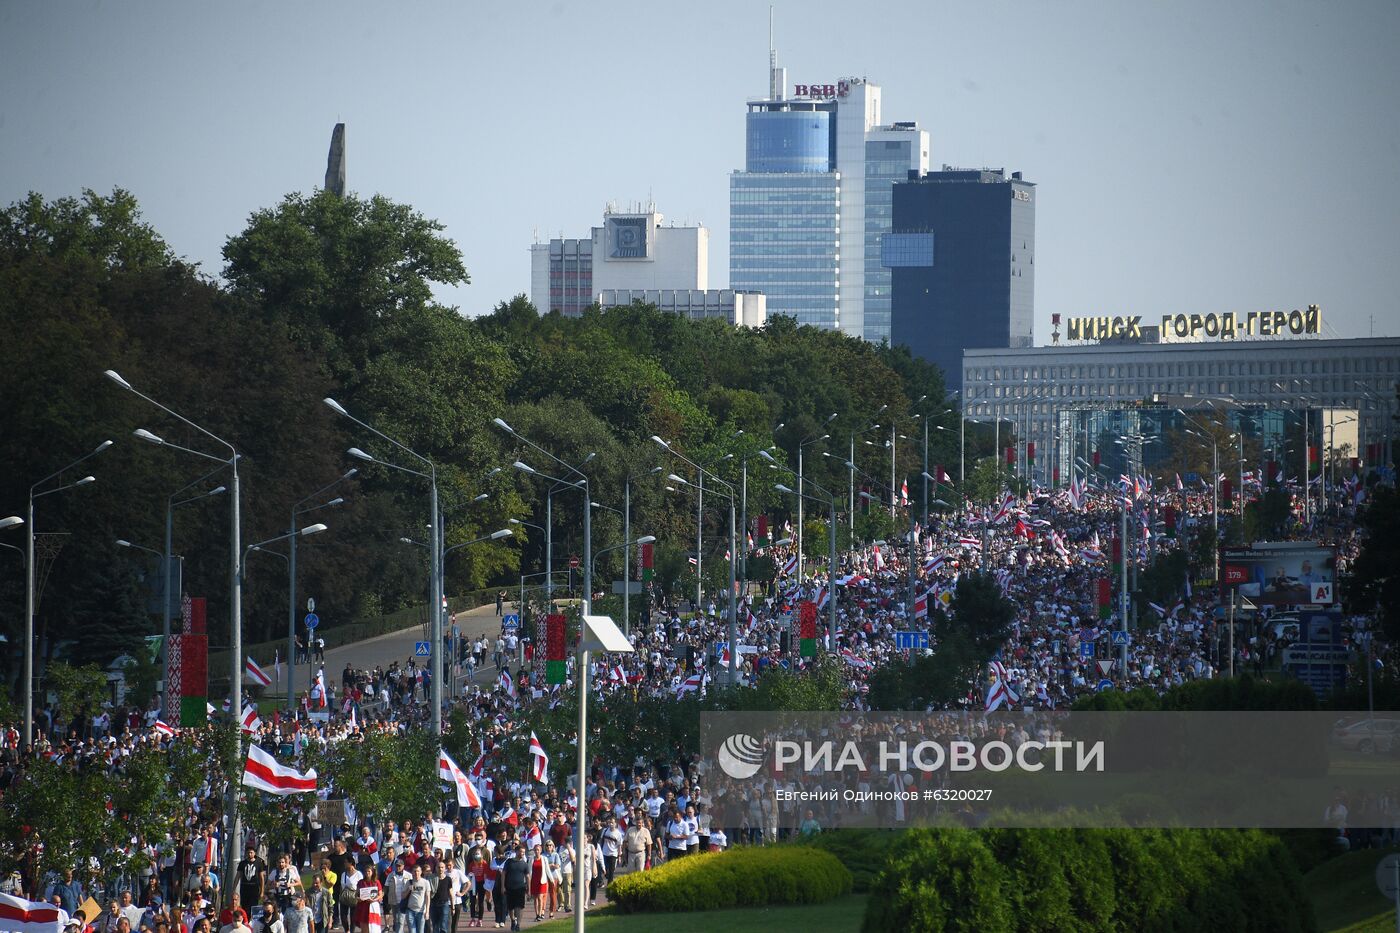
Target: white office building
741,309
637,256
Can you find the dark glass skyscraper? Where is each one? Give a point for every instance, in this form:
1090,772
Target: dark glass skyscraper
962,256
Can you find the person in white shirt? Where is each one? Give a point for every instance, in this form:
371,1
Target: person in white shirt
718,840
611,845
692,826
677,835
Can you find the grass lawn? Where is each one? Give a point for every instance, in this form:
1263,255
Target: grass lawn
842,915
1344,894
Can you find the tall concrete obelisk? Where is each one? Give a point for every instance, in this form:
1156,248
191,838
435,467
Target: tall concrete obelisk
335,162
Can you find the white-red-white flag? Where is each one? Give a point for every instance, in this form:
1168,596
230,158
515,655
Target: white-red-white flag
264,773
22,916
256,674
250,723
449,772
539,760
163,727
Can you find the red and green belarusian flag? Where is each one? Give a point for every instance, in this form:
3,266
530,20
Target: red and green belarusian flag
556,666
807,629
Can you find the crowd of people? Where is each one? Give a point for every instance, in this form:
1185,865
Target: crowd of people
513,860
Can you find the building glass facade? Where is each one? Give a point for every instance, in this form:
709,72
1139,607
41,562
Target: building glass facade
570,276
788,141
1032,386
979,292
832,131
886,161
783,241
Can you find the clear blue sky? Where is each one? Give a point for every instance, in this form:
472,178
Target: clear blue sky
1191,156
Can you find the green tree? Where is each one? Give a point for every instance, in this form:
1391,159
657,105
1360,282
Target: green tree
987,481
981,613
339,268
1374,585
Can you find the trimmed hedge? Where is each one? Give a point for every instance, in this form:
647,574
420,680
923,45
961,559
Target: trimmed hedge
961,881
741,877
863,851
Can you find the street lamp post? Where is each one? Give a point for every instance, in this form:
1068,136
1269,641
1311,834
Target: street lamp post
627,546
831,557
583,484
261,547
851,476
235,573
171,503
801,447
29,595
733,596
435,553
292,581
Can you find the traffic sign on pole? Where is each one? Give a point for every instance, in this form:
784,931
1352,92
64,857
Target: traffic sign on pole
422,649
510,622
906,641
1086,650
310,604
312,620
574,562
1119,638
1105,665
1105,684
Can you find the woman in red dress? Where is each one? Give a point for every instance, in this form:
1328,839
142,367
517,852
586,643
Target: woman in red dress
369,916
539,881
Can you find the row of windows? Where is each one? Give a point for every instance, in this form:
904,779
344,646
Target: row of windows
1211,368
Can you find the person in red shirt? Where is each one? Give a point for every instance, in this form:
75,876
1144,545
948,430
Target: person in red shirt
368,907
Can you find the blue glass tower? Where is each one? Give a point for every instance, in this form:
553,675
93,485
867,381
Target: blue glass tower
788,141
785,211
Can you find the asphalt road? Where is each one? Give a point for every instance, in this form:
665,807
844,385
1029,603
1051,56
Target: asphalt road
383,650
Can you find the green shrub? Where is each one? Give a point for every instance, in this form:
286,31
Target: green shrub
740,877
863,851
939,880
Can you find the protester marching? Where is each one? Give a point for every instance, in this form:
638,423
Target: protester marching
499,846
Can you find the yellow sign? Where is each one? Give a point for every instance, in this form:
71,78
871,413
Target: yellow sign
1183,327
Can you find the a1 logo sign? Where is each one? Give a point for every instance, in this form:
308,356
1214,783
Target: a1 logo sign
1322,592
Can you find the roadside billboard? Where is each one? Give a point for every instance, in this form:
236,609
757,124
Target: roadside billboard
1285,573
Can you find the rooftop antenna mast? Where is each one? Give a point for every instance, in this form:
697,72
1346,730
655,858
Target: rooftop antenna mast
777,77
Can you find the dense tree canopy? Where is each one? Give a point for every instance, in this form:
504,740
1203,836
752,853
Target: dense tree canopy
333,297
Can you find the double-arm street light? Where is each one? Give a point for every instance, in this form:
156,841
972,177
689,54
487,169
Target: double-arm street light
851,479
174,587
435,551
801,450
830,501
261,547
728,491
583,484
235,572
626,545
626,513
493,536
29,596
298,509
